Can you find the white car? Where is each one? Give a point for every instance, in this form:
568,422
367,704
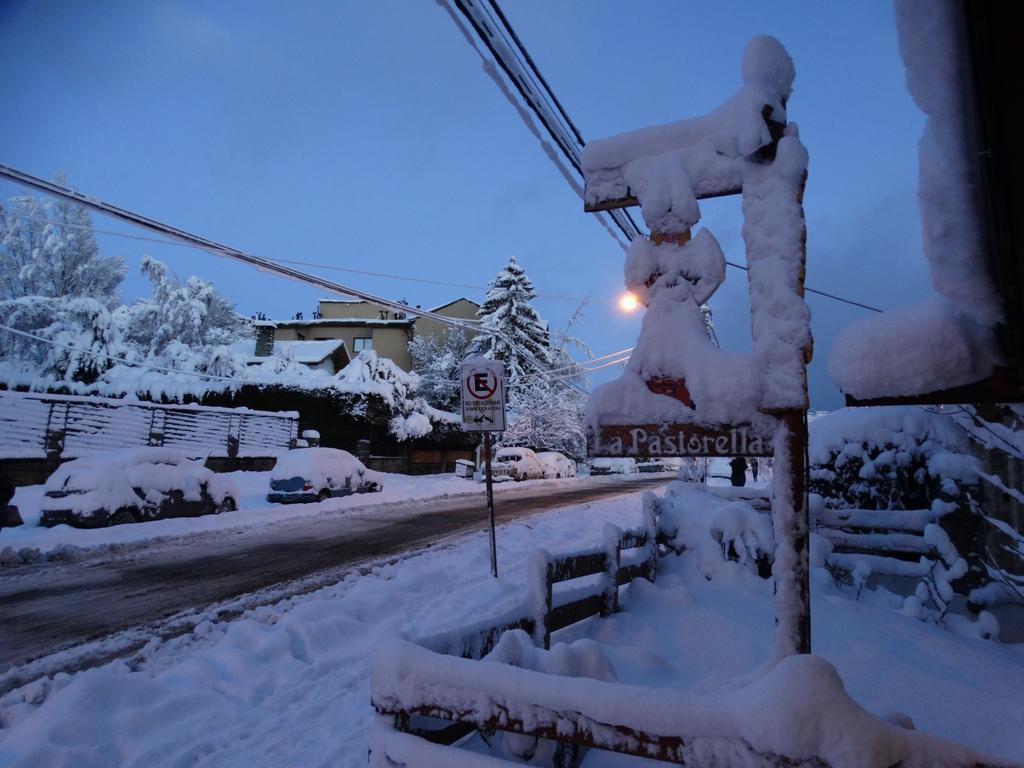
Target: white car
133,485
517,463
612,466
316,474
555,465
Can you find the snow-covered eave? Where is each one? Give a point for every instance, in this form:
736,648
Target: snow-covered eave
345,322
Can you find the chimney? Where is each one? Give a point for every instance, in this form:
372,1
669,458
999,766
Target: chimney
264,338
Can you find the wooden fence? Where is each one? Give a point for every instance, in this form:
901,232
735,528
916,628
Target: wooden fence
57,427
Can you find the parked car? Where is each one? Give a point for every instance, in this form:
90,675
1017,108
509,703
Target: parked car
316,474
555,465
9,515
612,466
133,485
516,463
660,465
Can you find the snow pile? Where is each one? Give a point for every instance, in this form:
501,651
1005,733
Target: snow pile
925,347
107,481
715,530
947,341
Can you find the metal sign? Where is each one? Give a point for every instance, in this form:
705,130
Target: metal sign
483,395
653,441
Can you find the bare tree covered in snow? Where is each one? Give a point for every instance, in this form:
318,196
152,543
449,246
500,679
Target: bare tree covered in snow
546,412
512,331
437,359
48,249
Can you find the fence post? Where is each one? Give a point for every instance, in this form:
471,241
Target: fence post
540,580
612,562
650,512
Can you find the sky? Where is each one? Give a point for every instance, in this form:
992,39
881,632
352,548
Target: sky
366,136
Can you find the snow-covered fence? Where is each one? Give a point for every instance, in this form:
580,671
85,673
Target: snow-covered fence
624,556
37,426
889,541
797,714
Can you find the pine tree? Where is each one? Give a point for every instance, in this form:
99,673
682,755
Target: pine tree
48,249
511,329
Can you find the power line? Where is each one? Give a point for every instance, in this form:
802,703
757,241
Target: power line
516,47
320,265
260,263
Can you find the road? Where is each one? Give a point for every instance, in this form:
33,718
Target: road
67,613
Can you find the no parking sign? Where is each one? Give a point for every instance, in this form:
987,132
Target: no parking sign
483,395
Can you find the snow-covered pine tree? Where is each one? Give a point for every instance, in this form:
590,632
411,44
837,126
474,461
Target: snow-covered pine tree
48,249
511,329
437,359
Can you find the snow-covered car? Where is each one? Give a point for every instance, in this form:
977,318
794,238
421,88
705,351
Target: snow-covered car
555,465
612,466
316,474
660,465
133,485
517,463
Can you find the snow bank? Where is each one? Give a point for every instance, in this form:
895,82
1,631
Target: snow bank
921,348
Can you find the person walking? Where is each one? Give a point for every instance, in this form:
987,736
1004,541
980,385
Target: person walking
739,471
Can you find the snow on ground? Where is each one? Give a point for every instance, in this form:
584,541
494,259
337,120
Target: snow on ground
254,510
288,684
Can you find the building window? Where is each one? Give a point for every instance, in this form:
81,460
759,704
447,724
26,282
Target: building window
359,343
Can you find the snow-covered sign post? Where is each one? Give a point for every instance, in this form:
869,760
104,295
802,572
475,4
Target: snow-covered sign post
483,410
681,395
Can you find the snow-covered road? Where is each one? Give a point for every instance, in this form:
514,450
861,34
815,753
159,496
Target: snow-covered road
114,599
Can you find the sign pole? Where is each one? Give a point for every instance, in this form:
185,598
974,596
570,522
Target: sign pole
490,504
483,410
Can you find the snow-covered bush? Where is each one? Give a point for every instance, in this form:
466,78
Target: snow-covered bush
888,458
714,529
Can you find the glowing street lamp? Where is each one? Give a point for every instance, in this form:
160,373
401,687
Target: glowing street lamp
628,302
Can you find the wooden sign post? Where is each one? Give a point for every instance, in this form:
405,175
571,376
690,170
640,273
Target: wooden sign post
786,437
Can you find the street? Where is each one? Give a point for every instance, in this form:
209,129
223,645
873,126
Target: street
66,617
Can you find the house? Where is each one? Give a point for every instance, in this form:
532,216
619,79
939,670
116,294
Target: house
357,325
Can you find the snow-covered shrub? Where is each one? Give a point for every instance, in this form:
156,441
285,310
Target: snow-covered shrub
437,359
888,458
714,529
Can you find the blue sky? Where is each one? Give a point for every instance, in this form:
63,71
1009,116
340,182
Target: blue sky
366,136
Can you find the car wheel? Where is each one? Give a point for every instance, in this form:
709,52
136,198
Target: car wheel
228,505
324,495
122,516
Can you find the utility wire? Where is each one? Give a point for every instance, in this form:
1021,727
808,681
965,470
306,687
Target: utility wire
260,263
475,12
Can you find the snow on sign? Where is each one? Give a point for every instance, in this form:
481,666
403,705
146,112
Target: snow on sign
483,396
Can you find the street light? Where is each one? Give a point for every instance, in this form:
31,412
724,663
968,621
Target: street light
628,302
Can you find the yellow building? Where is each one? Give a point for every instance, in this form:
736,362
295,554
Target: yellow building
365,325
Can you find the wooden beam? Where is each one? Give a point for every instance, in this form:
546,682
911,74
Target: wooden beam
630,201
1000,387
